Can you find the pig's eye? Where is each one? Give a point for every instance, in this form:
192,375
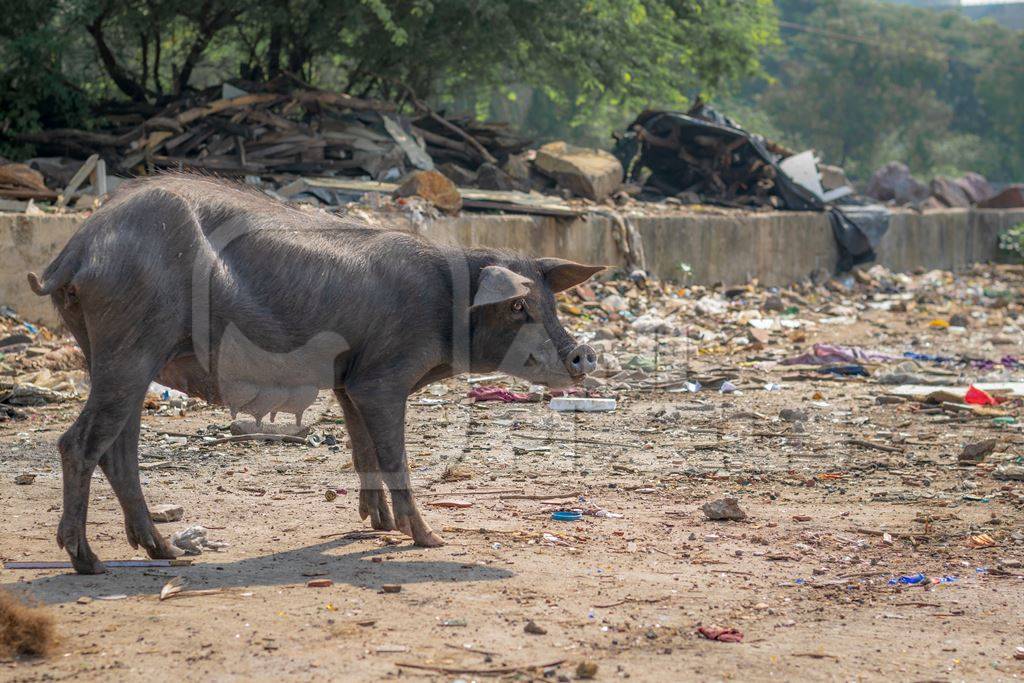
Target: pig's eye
518,306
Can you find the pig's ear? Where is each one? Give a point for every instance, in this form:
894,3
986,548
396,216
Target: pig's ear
499,284
561,274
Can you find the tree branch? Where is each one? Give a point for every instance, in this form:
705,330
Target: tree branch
128,85
208,28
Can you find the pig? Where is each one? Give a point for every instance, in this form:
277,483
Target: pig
223,293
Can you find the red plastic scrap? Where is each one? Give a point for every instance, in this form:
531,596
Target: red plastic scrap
723,635
976,396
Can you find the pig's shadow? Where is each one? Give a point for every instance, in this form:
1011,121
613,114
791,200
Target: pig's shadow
277,569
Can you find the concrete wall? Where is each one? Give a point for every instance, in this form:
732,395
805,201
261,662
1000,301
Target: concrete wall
775,248
29,243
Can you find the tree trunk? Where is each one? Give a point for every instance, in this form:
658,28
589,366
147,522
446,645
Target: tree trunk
124,81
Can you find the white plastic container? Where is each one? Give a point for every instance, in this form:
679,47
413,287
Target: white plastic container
587,405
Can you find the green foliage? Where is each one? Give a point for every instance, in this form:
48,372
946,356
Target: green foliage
867,82
1011,241
588,65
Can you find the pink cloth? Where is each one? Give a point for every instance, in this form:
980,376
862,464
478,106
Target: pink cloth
501,394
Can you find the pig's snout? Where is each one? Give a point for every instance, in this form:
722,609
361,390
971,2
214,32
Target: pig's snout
580,361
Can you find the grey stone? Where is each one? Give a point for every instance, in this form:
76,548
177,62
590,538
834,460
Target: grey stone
724,509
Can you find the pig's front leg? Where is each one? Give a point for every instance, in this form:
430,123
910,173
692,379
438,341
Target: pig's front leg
373,503
383,413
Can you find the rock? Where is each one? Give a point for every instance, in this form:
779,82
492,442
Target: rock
22,176
490,177
893,182
1009,472
929,204
1010,198
239,427
615,303
976,187
166,513
652,324
433,186
975,453
462,177
774,303
958,320
832,176
517,166
391,588
724,509
949,193
762,337
24,479
532,628
793,415
57,170
586,670
319,583
590,173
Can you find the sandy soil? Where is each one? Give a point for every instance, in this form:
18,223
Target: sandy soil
805,577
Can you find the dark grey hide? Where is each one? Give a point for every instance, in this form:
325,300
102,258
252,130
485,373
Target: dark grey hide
227,295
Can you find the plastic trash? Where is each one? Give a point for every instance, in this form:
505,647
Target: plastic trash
567,516
909,580
845,371
583,405
976,396
727,387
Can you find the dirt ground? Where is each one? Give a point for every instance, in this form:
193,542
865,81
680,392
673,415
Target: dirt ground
839,504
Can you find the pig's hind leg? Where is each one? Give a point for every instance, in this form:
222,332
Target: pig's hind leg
373,503
118,389
121,465
383,414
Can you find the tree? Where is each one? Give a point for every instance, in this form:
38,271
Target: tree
582,54
866,82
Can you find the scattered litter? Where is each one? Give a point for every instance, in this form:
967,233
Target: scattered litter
24,479
193,541
567,516
574,404
480,394
723,635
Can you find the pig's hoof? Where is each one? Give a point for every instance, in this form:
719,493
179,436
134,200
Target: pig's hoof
422,535
163,550
83,559
88,567
374,504
142,532
428,539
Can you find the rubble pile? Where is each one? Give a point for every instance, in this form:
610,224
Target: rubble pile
705,157
277,128
36,366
